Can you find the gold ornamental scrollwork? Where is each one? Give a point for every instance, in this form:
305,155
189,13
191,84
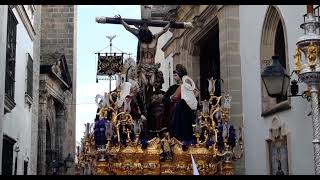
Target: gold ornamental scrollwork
312,51
131,159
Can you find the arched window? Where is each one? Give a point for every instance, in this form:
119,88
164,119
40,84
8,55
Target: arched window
279,49
273,42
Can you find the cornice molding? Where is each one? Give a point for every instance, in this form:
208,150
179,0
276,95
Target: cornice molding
26,21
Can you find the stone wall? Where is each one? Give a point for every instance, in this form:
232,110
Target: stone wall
35,109
58,35
57,32
55,110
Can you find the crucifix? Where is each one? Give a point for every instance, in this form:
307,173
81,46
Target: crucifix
146,68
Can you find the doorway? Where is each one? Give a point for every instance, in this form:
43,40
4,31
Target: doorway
209,62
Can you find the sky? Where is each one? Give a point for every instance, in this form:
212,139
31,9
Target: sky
91,38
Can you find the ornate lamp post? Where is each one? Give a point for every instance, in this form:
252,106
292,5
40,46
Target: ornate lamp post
308,71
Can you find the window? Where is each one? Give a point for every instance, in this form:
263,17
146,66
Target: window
29,76
10,61
273,42
7,155
279,49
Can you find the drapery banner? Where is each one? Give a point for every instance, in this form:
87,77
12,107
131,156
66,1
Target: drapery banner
109,65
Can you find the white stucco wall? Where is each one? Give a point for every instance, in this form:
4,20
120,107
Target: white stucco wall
159,58
17,124
256,127
3,39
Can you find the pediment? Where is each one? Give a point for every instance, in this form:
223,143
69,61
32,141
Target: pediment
56,65
60,69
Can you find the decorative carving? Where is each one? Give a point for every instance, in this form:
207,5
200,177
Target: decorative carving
297,60
147,72
166,147
312,54
162,156
109,65
131,162
56,68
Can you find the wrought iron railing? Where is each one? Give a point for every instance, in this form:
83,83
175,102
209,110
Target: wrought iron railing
316,12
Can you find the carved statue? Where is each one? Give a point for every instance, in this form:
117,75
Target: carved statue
56,68
312,54
100,132
169,99
182,104
124,91
148,40
166,146
148,45
212,83
297,60
156,108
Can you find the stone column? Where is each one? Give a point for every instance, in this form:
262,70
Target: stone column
230,58
3,41
43,108
35,108
230,64
60,138
69,146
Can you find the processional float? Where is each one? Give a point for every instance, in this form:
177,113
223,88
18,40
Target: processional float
116,143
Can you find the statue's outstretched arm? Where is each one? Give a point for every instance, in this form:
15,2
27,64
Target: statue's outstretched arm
127,26
165,29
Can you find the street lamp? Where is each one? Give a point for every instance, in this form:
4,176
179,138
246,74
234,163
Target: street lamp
55,165
275,79
308,72
68,162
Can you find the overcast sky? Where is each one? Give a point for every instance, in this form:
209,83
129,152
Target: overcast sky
91,38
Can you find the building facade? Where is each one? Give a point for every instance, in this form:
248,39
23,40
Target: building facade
29,32
19,88
210,49
3,38
57,89
235,43
277,132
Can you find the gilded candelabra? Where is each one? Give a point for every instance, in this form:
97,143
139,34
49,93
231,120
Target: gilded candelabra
218,132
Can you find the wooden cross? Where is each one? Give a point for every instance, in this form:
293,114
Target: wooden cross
154,23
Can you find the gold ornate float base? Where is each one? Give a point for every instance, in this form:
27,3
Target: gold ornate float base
134,161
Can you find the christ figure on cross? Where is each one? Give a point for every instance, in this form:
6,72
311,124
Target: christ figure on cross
148,47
